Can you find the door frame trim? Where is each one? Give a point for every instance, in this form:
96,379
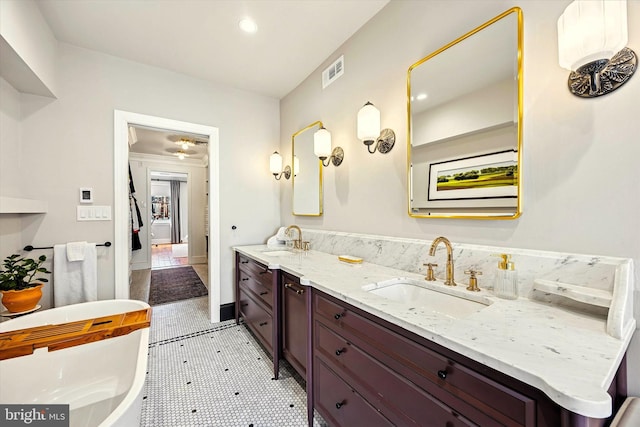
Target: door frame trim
122,120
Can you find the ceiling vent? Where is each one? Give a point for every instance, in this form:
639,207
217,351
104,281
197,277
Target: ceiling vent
332,72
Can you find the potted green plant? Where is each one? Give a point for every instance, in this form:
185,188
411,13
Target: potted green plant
20,288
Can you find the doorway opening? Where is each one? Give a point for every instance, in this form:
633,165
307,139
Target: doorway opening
122,123
169,228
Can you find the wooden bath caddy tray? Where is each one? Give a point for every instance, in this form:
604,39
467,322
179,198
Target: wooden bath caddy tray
23,342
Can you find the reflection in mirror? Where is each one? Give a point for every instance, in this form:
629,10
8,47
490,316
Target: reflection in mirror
465,125
307,175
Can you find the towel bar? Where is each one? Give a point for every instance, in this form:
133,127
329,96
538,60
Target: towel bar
29,248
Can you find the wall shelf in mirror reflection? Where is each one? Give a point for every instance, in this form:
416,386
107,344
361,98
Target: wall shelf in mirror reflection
464,104
307,176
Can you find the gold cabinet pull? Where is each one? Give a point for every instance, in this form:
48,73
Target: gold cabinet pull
292,287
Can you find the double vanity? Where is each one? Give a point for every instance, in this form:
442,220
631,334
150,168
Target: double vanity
378,340
380,345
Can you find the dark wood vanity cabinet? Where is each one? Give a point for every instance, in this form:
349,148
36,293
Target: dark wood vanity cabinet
361,370
257,302
295,312
364,364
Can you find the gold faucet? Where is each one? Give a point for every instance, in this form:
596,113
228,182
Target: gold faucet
449,281
297,244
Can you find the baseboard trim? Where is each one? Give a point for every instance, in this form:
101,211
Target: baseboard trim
227,311
140,266
198,259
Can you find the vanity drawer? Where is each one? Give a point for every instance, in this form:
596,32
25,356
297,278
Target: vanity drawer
339,404
257,318
396,397
263,291
468,391
258,271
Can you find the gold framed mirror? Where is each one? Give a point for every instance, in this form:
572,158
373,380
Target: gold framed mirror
307,173
464,136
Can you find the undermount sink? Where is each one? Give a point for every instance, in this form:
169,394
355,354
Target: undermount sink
277,253
419,293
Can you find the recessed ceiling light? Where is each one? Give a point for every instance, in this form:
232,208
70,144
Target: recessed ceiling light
248,25
421,96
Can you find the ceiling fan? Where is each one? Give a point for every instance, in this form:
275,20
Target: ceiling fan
185,142
181,154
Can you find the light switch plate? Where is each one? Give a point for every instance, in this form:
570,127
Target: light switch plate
93,213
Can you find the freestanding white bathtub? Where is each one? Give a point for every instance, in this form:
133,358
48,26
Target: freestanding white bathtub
101,381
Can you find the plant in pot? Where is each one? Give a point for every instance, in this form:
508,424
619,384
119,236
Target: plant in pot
21,289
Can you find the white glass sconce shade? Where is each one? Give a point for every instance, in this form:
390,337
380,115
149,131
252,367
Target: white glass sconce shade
275,163
591,30
368,122
296,165
322,143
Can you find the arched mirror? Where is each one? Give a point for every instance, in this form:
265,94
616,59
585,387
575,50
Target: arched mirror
464,105
307,173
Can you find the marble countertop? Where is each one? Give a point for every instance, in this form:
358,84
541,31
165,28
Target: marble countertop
566,354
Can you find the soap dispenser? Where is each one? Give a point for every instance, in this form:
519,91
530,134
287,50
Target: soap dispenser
506,279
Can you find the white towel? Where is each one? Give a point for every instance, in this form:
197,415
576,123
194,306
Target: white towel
74,281
75,251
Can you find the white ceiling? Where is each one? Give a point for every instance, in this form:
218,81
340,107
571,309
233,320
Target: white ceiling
201,38
163,143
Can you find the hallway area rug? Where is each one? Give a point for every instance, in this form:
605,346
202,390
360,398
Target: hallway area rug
175,284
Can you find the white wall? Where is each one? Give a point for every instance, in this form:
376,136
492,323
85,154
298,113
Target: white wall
68,143
581,179
467,114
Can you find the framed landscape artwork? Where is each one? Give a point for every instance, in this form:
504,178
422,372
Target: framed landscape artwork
485,176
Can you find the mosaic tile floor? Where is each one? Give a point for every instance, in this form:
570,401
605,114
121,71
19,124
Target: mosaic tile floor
204,374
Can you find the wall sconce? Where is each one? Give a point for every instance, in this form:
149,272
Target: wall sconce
275,166
369,130
322,148
592,36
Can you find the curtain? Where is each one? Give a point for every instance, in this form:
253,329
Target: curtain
175,212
